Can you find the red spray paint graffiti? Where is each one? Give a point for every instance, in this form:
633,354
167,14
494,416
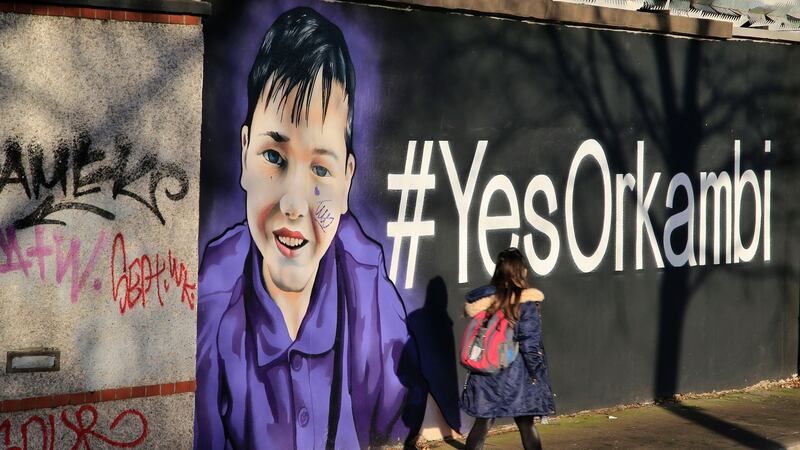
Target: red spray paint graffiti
43,250
132,283
85,420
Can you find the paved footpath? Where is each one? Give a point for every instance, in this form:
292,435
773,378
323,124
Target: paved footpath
757,418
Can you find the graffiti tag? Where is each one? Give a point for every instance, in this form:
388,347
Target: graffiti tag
75,158
323,215
85,420
14,259
132,282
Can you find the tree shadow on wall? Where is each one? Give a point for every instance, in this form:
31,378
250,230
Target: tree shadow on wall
432,327
692,99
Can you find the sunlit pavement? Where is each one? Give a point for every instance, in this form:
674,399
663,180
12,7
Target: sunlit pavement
757,418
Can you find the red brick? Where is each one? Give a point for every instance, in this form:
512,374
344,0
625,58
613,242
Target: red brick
60,400
102,14
27,403
175,19
192,20
167,388
77,399
12,405
42,402
71,11
108,394
6,7
87,13
137,391
93,397
55,10
149,17
151,390
24,8
123,393
118,14
40,10
184,386
133,15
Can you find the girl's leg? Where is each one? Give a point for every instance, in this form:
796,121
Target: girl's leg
527,430
477,435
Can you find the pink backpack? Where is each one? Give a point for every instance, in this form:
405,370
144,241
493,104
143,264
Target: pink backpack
488,345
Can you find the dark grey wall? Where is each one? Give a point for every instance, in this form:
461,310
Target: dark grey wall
536,93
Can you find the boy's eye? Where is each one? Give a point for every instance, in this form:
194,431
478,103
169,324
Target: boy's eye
274,157
320,171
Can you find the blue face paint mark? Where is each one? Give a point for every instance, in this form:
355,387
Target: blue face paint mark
316,191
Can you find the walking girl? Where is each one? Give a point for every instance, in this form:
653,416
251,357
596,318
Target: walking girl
521,389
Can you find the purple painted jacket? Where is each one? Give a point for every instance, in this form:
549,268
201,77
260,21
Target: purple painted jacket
348,379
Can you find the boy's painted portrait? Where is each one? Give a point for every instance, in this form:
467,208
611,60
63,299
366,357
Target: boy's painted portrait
302,339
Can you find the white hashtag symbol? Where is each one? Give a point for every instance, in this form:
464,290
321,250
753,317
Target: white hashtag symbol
405,182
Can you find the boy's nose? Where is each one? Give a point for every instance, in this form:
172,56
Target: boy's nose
293,204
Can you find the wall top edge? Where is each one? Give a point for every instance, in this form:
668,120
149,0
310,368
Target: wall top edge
188,7
577,14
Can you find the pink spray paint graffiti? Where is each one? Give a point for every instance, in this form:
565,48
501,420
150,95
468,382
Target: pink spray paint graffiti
66,256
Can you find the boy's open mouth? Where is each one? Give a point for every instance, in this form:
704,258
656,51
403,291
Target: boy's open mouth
289,241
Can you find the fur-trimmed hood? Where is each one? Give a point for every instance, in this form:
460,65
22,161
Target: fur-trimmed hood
482,298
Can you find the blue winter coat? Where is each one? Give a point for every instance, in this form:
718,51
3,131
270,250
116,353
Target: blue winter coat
523,388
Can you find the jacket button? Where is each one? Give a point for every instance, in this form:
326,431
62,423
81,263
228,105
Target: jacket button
302,416
297,362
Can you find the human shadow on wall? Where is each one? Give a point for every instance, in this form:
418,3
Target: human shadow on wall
432,327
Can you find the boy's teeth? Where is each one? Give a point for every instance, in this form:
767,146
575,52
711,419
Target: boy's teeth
289,241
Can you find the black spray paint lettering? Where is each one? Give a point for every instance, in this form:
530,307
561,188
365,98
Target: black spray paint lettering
82,158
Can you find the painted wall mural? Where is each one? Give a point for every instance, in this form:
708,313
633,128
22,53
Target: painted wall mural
362,166
301,327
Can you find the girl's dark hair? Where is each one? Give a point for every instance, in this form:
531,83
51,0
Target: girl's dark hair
509,281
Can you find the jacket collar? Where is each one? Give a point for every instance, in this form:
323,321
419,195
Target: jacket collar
317,332
528,295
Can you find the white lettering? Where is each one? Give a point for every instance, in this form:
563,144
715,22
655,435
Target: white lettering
720,184
589,148
541,183
498,183
740,252
643,210
623,182
463,199
685,217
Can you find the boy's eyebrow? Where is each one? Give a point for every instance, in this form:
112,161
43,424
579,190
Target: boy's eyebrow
277,137
325,151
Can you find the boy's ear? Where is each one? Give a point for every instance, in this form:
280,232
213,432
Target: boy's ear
245,141
349,170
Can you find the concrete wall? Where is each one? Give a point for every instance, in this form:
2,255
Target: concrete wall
98,258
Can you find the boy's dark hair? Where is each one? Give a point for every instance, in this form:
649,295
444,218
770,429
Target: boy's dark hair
298,46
